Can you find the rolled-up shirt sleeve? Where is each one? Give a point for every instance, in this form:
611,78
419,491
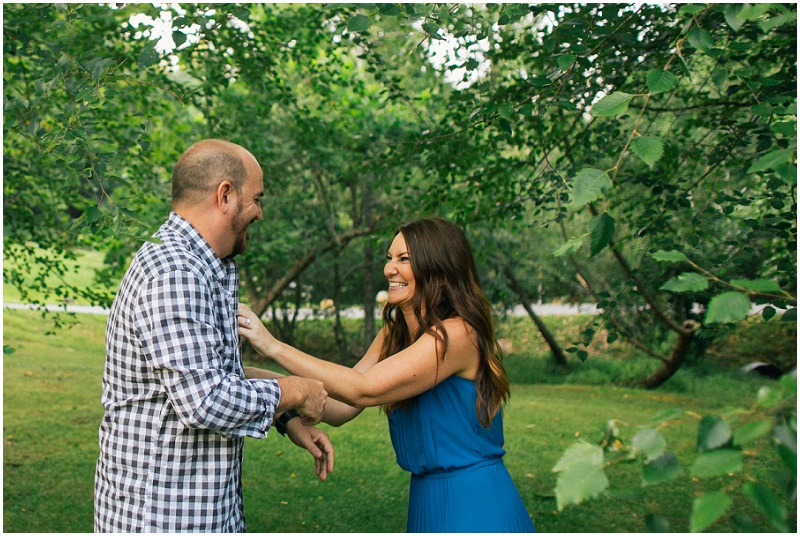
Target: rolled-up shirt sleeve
192,340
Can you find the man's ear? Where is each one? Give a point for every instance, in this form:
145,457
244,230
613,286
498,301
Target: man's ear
224,195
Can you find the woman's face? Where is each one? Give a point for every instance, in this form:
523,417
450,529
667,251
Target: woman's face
398,272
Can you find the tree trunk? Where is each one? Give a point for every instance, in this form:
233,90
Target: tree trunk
671,364
260,301
338,328
555,350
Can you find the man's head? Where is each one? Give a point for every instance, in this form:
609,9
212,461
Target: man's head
217,186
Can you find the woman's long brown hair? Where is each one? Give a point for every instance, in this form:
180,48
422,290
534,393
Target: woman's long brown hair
447,286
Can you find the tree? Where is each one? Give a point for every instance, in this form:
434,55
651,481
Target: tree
71,103
650,135
280,85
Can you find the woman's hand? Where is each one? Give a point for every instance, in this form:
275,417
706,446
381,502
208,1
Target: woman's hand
251,328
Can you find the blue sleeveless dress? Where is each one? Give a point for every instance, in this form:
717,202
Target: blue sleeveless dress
459,482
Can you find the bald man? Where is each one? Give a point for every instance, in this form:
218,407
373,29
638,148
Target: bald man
177,402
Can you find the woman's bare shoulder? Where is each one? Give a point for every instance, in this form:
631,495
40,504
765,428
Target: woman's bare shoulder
458,329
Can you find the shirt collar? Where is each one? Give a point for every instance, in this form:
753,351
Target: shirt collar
197,244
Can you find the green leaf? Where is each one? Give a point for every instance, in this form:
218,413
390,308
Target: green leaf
589,184
148,55
65,62
178,38
714,432
784,128
774,22
565,61
580,452
358,23
648,148
8,349
768,503
772,160
786,442
662,469
700,39
660,81
570,247
686,282
731,12
719,76
717,463
757,285
768,397
78,222
669,256
788,172
762,109
432,29
582,476
649,441
751,431
613,104
691,9
789,382
511,13
602,228
755,11
93,214
506,109
388,9
580,482
728,307
707,508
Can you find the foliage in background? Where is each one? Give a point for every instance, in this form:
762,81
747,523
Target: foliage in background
650,148
660,142
728,444
642,157
84,131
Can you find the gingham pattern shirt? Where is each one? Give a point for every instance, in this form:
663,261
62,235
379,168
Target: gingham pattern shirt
177,405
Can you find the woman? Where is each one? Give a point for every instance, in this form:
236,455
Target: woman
436,368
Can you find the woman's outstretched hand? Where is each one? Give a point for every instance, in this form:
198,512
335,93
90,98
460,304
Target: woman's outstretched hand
251,328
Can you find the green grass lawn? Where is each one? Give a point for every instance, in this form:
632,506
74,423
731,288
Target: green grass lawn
51,395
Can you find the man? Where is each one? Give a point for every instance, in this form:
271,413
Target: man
177,402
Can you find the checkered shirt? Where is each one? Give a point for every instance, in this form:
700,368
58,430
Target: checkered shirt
177,405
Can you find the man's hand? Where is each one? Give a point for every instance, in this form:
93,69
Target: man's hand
305,395
314,441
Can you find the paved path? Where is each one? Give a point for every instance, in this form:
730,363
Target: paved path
545,309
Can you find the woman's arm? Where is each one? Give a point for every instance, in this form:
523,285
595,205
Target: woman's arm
336,413
371,383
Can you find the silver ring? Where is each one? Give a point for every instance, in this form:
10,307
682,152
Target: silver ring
247,322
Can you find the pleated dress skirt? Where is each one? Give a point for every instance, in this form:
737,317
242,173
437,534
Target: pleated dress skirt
480,498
